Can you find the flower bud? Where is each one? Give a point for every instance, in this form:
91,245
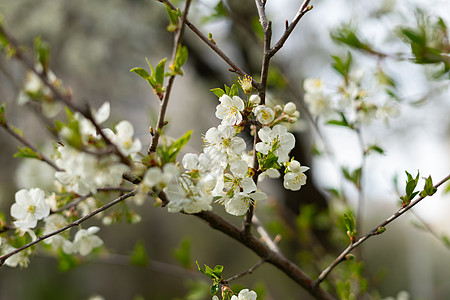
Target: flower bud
277,109
290,108
255,99
294,166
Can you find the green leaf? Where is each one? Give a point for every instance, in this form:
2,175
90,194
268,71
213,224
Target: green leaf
350,225
218,270
179,144
218,92
141,72
139,256
353,176
348,35
42,51
234,91
180,59
342,65
173,18
159,72
375,148
183,253
428,189
446,240
342,122
214,289
27,152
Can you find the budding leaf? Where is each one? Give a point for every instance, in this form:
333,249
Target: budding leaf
428,189
350,225
159,72
342,66
42,51
27,152
218,92
411,184
342,122
375,148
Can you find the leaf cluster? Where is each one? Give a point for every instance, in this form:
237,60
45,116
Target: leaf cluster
215,274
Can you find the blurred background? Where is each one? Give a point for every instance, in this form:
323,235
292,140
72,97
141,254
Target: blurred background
94,44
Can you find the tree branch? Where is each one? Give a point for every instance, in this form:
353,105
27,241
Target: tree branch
371,233
75,223
23,141
301,12
215,48
258,247
163,106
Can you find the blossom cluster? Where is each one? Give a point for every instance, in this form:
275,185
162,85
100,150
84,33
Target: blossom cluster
225,172
82,172
349,98
89,160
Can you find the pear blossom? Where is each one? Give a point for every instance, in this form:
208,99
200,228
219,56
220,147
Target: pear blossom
85,240
229,110
264,114
123,138
30,206
245,294
276,140
296,178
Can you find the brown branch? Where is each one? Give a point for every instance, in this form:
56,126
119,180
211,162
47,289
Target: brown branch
259,248
66,99
215,48
374,231
75,223
23,141
301,12
249,271
164,103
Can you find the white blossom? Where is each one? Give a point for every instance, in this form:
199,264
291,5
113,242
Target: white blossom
88,129
185,196
30,206
240,202
255,99
19,259
277,140
159,179
264,114
85,240
223,139
229,110
294,180
123,138
245,294
53,223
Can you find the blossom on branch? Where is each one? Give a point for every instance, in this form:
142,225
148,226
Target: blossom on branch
85,240
30,206
276,140
229,110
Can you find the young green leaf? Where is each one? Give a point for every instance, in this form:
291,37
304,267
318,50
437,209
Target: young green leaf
428,189
218,92
159,72
27,152
183,253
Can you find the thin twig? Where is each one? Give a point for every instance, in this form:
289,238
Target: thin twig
249,271
66,99
430,230
258,247
23,141
265,236
215,48
75,223
361,198
164,103
301,12
371,233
